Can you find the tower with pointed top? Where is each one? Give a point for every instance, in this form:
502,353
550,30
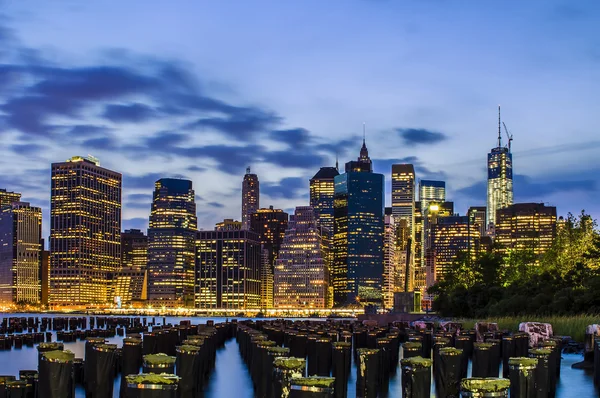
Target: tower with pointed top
250,197
500,178
357,269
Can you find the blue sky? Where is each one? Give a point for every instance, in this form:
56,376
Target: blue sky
202,89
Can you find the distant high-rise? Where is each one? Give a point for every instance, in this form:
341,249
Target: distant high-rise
20,253
270,225
171,243
250,197
358,233
526,226
131,280
431,191
500,178
390,261
6,198
477,218
301,274
134,249
85,231
321,195
403,194
227,269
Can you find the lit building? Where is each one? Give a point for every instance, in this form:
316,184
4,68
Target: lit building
321,195
500,178
134,249
270,225
358,233
430,191
403,194
227,269
130,285
250,197
130,281
477,218
390,261
526,226
45,275
20,253
7,198
301,275
85,231
451,236
266,279
171,244
228,224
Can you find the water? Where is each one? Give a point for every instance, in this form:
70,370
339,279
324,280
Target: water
232,379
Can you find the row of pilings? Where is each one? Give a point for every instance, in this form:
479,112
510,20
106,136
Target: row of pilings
313,359
175,361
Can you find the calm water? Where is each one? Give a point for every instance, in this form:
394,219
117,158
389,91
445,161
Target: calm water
230,367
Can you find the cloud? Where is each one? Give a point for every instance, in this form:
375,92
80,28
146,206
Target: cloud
132,113
414,137
135,223
216,204
528,188
294,138
286,188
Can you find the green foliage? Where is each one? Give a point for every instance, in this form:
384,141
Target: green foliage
563,281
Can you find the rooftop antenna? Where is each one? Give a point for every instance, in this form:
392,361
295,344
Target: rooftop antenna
337,165
248,170
364,132
499,129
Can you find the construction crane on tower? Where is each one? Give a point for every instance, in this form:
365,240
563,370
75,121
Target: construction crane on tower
510,136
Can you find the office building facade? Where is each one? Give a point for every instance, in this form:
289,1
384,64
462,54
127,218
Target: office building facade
478,218
270,225
7,198
322,195
134,249
85,231
301,274
391,258
403,194
20,253
358,234
527,227
171,244
250,197
228,269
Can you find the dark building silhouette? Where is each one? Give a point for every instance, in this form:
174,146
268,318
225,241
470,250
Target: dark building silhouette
85,231
270,225
171,244
250,197
131,280
228,269
358,233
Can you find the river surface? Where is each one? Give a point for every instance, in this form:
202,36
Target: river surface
231,378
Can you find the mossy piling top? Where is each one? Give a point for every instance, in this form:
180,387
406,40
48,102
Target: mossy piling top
491,384
159,359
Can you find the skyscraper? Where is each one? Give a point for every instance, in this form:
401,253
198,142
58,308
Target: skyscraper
526,226
477,218
134,249
270,225
500,178
431,191
228,269
390,261
131,280
20,253
321,195
171,243
301,273
6,198
250,197
403,194
358,234
85,231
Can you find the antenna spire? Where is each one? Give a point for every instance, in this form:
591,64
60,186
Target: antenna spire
364,132
499,129
337,165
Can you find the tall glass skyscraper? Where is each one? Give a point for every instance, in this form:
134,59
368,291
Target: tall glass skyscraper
358,233
20,253
403,194
171,244
500,178
85,231
250,197
321,195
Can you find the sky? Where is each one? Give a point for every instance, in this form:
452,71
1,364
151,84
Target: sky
204,89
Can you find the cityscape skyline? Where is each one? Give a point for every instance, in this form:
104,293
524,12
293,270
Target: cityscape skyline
200,116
